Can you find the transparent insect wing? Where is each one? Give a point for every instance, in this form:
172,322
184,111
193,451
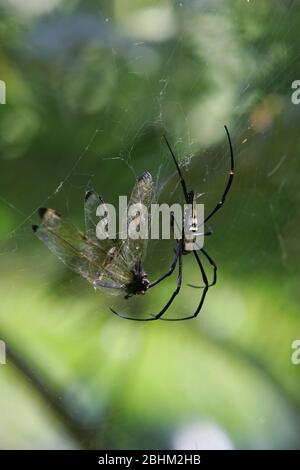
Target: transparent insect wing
77,251
139,210
91,202
111,247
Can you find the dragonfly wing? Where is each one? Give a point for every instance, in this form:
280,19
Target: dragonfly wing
138,216
91,202
78,252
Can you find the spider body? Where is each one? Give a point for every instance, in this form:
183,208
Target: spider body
191,220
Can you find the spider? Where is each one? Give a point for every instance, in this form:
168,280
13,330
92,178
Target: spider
183,246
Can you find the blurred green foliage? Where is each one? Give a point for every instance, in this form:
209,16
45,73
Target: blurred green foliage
91,89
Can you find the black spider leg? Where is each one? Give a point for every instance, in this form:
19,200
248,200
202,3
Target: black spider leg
182,181
185,191
204,277
218,206
229,182
205,290
214,266
173,265
181,178
168,273
179,249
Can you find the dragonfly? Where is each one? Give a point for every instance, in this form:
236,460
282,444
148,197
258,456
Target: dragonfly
114,264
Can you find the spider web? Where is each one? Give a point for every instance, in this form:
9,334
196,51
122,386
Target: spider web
192,140
230,79
189,145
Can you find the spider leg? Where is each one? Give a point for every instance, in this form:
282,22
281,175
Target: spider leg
205,290
170,271
181,178
175,293
205,234
229,182
213,264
